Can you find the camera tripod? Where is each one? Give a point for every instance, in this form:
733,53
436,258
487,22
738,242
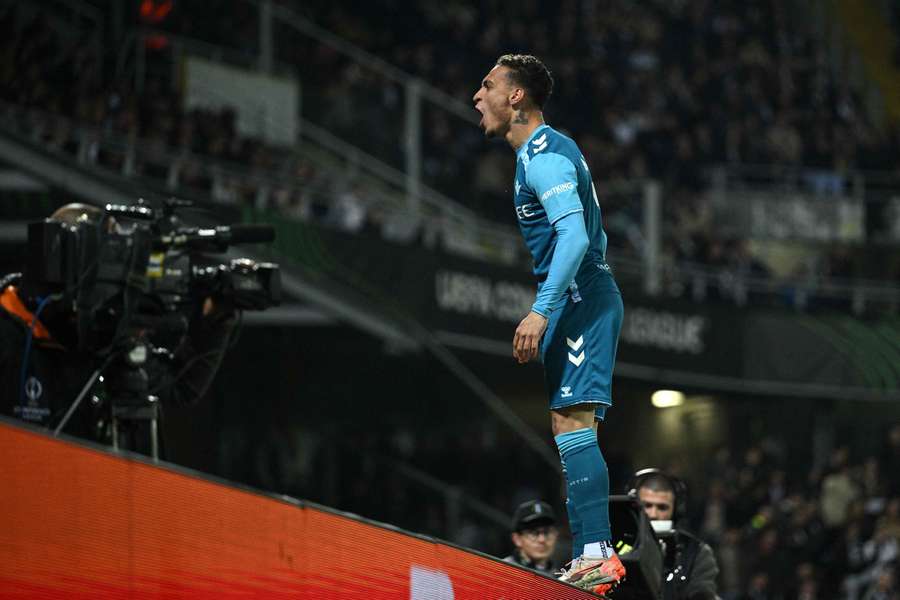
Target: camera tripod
133,409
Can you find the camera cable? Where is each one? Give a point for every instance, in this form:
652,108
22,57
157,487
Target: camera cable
28,340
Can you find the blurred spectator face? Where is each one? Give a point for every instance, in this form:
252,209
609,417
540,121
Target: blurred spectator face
893,509
732,537
768,542
840,458
492,100
759,582
537,543
805,571
753,457
894,436
885,581
659,506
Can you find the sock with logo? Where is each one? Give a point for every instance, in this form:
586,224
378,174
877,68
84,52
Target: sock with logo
587,487
574,524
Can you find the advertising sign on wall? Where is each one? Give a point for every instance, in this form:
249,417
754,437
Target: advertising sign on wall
84,522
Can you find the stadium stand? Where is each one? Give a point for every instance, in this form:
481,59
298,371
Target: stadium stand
677,134
181,146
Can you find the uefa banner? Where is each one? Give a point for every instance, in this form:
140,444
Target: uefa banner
477,305
84,522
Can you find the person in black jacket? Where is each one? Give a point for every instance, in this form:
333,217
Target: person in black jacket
534,536
42,372
690,565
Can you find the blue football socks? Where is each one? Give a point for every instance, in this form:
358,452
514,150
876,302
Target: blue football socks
575,527
587,487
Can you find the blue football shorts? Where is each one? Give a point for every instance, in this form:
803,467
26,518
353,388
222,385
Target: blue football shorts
579,349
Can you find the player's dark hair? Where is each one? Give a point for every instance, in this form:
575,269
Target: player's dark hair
529,72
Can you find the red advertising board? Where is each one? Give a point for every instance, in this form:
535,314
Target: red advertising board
80,522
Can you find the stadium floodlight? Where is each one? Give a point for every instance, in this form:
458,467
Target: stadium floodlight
667,398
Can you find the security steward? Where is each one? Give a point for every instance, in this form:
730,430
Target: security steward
534,535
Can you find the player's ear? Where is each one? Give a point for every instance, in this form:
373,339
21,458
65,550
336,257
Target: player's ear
516,96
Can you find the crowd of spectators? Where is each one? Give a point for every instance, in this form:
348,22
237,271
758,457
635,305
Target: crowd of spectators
653,88
658,89
197,151
682,86
784,531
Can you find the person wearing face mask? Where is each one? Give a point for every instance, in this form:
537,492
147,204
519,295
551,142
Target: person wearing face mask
690,568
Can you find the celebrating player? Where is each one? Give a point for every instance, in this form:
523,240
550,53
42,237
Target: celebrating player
578,308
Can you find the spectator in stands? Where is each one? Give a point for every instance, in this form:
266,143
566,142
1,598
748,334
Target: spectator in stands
890,458
729,553
348,210
839,491
885,587
534,535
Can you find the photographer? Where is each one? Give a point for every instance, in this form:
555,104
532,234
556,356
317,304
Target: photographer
44,365
690,568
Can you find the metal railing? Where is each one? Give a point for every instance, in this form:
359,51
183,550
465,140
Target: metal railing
421,200
282,29
491,240
800,203
788,178
699,282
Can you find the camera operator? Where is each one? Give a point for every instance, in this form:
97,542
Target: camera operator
534,536
42,370
690,568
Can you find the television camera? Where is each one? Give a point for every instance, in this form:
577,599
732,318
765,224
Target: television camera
132,277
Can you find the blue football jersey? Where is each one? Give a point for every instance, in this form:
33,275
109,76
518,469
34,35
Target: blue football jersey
552,181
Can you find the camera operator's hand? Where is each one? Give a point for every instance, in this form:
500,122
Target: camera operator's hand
217,308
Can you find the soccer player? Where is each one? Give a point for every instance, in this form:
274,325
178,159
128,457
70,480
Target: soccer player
576,317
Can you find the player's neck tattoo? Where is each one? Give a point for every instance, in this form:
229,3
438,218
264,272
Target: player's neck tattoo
521,118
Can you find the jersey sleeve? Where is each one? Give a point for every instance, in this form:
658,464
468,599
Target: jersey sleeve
554,181
571,244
